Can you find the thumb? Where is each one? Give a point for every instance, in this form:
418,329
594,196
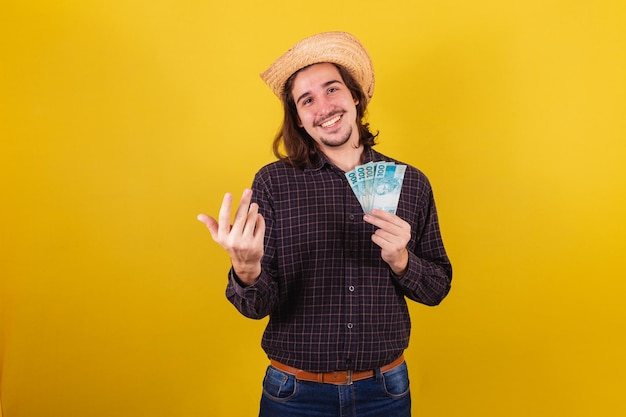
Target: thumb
210,223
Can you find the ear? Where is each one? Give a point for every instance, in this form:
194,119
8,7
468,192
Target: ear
356,101
299,123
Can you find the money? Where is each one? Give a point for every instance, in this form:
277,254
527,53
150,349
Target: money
377,185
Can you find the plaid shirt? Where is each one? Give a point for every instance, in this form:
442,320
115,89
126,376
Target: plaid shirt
333,303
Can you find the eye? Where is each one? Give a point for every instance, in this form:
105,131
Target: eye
306,101
332,90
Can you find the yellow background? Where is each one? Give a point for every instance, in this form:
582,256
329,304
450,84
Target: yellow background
121,120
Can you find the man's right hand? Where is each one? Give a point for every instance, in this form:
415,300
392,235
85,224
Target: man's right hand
244,239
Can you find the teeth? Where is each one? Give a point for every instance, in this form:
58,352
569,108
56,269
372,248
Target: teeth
331,121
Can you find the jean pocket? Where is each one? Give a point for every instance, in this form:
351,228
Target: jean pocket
396,381
278,385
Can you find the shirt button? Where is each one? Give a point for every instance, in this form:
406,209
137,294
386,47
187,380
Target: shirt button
351,217
350,325
351,288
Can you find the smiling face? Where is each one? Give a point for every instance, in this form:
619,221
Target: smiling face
326,108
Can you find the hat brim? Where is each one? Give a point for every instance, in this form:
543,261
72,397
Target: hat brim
336,47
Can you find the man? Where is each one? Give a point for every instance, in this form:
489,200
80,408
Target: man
332,279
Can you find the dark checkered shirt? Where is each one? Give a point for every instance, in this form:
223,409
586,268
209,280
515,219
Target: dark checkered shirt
333,303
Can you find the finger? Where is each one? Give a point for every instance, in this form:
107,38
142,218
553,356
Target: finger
380,242
260,227
388,221
382,214
223,226
210,223
377,220
387,216
382,237
259,232
251,220
241,215
203,218
370,218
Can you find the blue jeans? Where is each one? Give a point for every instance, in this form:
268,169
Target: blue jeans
384,395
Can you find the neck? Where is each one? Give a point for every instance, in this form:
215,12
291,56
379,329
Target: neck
345,158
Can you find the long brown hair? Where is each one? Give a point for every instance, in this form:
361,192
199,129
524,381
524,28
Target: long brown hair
299,147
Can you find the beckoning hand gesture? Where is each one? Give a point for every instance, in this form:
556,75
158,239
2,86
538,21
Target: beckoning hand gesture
244,239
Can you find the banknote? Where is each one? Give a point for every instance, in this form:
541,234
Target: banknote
377,185
354,184
387,188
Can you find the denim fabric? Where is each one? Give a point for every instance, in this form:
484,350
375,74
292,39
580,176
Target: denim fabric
385,395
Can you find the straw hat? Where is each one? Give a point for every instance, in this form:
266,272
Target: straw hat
337,47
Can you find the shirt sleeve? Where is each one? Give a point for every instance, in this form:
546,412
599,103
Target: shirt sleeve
260,299
429,274
254,301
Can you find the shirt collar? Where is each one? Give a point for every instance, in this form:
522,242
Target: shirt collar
369,155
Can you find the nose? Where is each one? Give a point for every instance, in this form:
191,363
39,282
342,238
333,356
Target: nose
324,105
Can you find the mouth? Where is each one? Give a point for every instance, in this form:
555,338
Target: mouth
331,122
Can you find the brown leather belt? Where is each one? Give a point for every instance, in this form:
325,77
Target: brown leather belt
336,377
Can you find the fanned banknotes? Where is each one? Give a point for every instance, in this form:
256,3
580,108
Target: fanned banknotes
377,185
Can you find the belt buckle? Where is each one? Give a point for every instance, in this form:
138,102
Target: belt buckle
333,378
348,377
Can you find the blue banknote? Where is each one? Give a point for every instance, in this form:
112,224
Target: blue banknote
377,185
387,188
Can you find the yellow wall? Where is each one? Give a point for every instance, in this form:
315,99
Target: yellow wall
123,119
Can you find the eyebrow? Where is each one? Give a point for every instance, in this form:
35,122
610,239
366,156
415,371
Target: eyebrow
326,84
